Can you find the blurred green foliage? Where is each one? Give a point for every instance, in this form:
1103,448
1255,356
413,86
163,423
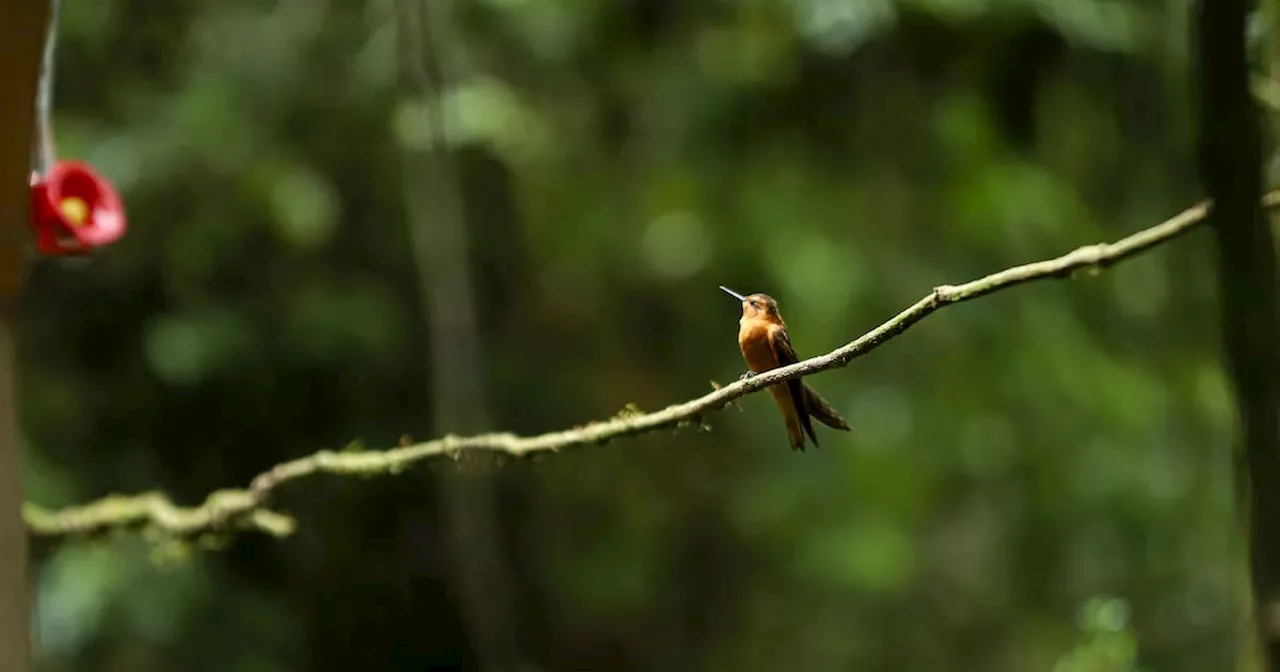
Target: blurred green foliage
1057,449
1109,645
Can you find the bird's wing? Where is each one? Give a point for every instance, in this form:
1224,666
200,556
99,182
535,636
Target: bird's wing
781,344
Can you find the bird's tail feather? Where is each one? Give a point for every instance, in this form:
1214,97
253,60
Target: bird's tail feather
821,411
796,434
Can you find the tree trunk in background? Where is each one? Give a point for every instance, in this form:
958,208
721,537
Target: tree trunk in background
15,637
435,211
22,33
1230,157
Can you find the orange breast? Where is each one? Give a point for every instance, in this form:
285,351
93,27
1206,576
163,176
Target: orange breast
753,338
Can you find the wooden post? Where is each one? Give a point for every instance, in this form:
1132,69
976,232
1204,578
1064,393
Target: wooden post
23,24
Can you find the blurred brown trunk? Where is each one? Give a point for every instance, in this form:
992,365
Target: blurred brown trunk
437,219
15,637
1230,157
22,33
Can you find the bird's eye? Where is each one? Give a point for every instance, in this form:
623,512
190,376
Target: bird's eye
755,304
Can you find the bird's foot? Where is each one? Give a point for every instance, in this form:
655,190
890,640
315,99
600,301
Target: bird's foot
746,375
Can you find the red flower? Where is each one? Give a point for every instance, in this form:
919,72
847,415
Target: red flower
74,209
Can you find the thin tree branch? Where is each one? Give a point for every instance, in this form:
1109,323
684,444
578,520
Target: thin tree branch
245,508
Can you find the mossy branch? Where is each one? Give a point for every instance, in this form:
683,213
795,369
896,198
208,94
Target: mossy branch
247,508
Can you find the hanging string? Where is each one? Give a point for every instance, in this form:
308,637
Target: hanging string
44,153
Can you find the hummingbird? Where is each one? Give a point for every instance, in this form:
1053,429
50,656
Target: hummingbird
765,345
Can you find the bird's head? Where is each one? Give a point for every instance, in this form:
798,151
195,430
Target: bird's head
756,306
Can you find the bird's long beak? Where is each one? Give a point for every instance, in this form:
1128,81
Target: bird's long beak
732,293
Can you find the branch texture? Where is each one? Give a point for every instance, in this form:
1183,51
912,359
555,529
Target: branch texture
247,508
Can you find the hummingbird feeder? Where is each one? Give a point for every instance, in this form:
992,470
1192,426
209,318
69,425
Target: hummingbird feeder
74,210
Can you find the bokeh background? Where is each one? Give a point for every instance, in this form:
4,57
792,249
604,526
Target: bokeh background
1039,480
